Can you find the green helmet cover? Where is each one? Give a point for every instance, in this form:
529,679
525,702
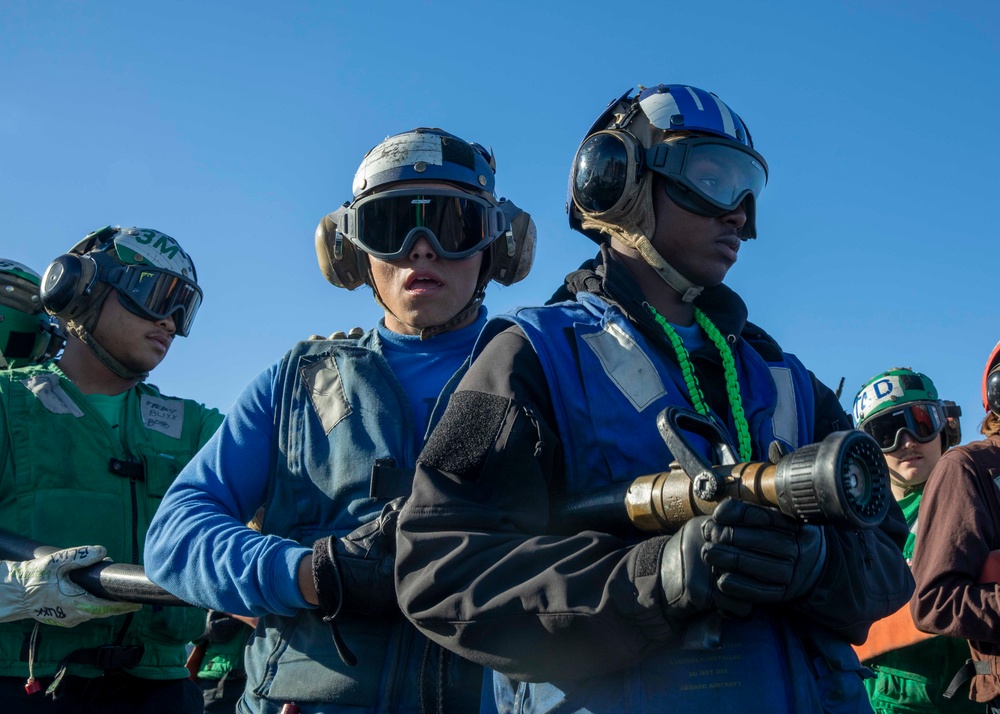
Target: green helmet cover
891,388
23,337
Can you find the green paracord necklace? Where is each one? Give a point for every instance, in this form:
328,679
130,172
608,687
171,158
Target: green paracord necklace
691,379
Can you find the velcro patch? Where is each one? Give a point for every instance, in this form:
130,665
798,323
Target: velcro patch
464,437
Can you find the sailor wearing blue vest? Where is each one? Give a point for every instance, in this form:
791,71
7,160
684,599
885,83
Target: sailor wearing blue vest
326,440
563,400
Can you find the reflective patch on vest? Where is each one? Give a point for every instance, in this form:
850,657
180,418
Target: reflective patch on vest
50,393
163,415
786,419
627,366
326,392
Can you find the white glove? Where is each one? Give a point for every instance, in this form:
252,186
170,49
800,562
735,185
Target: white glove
41,589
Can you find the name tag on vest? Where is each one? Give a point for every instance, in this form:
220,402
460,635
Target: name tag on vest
163,415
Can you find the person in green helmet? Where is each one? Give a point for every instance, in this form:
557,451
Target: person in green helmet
901,410
87,450
28,335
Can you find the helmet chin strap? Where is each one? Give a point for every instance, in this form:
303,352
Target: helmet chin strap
688,290
632,226
472,308
105,358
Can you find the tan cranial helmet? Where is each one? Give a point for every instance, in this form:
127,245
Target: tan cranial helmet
457,211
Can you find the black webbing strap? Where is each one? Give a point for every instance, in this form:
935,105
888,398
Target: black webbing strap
330,593
133,470
107,657
970,669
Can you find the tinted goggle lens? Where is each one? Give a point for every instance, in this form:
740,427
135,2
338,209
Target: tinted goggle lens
721,172
923,421
456,224
157,294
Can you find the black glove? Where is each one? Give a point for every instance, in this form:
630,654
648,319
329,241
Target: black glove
687,580
354,573
221,627
760,555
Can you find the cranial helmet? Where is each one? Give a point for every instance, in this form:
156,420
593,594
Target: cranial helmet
153,276
697,144
27,334
902,399
991,382
459,218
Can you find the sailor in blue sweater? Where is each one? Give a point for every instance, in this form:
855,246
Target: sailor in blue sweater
326,440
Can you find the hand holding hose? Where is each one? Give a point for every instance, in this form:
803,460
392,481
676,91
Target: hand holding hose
41,589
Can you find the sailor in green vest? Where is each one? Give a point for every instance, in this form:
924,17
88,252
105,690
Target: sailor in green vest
87,450
901,410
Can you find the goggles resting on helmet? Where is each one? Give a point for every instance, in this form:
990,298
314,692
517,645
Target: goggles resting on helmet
386,225
154,294
922,420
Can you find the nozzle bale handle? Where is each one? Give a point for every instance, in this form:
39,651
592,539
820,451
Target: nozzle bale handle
705,482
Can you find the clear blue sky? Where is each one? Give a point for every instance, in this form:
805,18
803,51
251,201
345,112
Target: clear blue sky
234,127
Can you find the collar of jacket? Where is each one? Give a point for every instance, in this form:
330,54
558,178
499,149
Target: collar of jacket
608,278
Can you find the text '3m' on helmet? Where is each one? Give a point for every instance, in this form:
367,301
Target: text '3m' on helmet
679,133
903,399
27,334
380,223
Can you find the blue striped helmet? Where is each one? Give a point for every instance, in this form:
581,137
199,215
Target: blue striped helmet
679,107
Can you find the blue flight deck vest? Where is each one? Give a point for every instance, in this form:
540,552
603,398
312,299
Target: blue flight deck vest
345,446
608,384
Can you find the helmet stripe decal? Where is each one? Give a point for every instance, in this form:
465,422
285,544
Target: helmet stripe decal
727,118
694,96
658,108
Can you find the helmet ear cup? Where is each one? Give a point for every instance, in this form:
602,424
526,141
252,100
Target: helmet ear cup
67,285
513,253
604,180
993,390
341,263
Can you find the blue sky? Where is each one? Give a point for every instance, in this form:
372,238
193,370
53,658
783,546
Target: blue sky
234,127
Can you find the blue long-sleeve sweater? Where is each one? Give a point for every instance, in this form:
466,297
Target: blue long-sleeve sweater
198,546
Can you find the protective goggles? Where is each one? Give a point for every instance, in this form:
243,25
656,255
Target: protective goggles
720,172
154,294
386,225
713,175
922,420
